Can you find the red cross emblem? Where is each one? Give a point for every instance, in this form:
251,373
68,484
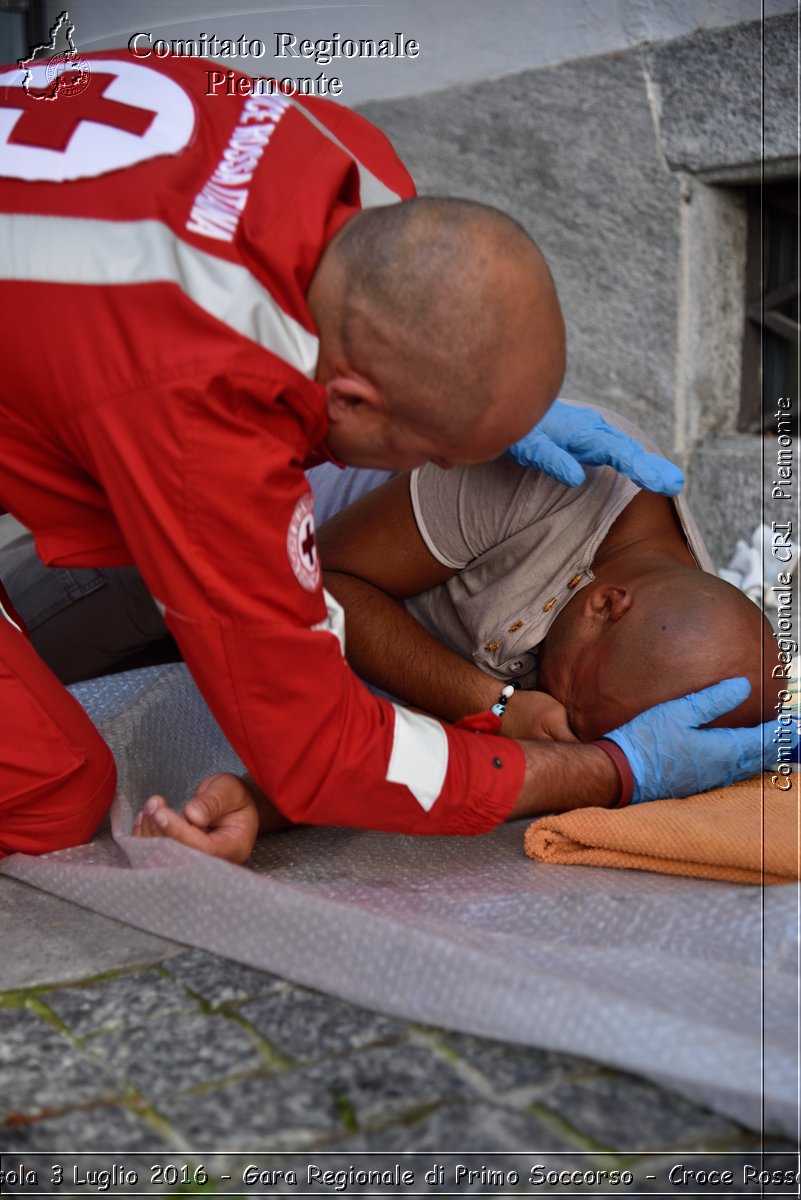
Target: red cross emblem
301,545
123,113
51,126
308,547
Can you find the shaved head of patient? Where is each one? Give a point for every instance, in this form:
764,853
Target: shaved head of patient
651,628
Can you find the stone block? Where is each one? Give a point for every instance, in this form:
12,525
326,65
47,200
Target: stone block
177,1053
117,1003
507,1067
709,87
282,1112
621,1113
725,490
47,940
493,1128
382,1084
42,1071
220,980
308,1025
109,1126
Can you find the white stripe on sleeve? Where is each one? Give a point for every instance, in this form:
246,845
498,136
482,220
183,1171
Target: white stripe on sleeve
419,758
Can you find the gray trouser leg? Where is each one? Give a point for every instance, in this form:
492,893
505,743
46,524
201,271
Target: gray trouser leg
82,622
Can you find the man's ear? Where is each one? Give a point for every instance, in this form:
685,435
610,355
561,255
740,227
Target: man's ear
352,395
607,603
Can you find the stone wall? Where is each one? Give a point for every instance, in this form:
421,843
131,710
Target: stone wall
616,165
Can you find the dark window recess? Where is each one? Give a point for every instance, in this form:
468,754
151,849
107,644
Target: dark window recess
770,346
22,26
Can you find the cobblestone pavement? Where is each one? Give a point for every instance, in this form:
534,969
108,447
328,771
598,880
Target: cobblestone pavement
180,1060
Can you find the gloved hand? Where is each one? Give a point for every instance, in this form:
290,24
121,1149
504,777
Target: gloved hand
670,756
567,436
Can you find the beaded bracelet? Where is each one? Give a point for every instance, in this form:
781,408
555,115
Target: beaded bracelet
500,708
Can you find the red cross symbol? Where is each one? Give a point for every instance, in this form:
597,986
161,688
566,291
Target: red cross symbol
50,126
307,546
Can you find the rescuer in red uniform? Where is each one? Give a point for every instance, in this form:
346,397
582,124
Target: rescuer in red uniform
201,295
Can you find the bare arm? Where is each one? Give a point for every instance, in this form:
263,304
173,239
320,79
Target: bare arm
560,778
375,557
227,813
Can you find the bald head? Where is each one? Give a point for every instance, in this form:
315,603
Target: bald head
670,632
448,310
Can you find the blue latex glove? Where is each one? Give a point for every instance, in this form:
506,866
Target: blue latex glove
670,756
567,436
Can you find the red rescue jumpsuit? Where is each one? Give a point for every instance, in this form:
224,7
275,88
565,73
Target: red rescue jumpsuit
157,406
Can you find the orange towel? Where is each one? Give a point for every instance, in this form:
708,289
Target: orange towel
747,833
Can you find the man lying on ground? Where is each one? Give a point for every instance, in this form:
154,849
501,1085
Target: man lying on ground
599,602
457,582
604,597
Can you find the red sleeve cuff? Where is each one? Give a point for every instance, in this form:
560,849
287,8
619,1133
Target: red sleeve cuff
318,455
625,774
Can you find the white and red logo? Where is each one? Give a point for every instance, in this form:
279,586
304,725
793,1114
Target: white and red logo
66,72
67,75
301,545
123,113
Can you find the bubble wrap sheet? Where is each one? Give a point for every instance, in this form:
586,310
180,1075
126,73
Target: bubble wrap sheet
694,984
